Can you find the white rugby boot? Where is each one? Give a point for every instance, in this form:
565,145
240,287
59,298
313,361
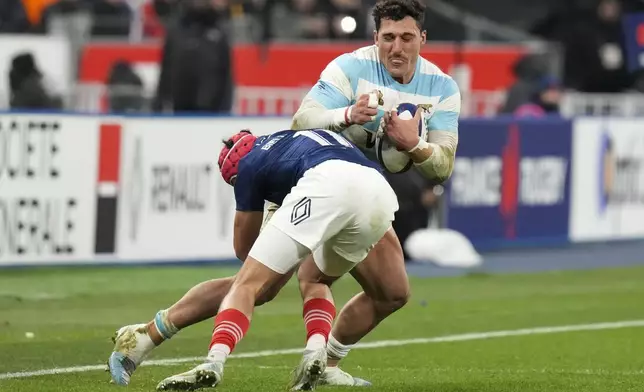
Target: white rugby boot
131,345
307,374
337,377
206,375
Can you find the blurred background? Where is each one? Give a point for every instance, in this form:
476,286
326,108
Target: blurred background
117,55
529,73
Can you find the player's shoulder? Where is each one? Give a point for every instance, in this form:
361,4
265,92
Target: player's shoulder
435,79
358,60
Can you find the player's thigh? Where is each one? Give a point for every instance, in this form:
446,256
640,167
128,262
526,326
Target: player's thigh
309,273
350,247
369,226
277,251
382,275
325,265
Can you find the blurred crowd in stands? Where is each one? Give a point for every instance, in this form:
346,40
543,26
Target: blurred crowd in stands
197,35
589,32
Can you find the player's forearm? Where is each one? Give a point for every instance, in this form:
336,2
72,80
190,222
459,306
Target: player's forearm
313,115
435,159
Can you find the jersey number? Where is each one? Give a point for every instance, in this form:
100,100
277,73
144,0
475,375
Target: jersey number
322,141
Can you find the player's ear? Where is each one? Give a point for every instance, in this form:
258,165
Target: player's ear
375,37
423,37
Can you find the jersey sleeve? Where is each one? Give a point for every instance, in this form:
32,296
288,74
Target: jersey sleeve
448,109
325,104
249,194
334,88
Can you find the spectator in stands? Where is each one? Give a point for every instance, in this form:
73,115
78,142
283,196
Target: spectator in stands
545,102
196,68
307,19
71,19
13,18
27,89
125,89
111,18
593,44
65,15
34,10
157,16
528,71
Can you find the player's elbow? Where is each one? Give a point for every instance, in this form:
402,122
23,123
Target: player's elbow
438,168
241,255
241,250
300,120
440,178
435,174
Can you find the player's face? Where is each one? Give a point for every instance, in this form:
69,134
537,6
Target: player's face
399,44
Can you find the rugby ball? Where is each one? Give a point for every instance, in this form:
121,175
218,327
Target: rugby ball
390,158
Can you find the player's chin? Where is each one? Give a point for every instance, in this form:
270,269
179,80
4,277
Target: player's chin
397,70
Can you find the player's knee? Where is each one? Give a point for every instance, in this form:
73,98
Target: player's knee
393,300
400,299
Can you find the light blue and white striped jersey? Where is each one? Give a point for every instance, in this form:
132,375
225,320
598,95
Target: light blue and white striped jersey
360,72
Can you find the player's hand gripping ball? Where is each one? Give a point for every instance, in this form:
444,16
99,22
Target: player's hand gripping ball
391,159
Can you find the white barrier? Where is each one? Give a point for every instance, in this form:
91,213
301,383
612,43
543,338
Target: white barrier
104,189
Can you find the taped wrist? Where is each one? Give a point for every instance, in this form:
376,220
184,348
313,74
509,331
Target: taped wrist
437,166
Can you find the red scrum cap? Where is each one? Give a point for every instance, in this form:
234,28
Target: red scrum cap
234,149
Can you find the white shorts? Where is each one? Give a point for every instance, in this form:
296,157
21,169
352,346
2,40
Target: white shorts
338,210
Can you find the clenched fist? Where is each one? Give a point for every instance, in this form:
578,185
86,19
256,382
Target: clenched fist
366,108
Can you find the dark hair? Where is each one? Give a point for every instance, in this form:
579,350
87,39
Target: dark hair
398,10
230,143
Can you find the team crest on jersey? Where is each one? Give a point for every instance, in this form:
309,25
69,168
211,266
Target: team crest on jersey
426,106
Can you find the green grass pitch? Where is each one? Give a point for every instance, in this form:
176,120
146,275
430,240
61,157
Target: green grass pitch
72,313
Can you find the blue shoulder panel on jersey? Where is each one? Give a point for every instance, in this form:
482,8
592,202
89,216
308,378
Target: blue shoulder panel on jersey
434,85
353,68
443,121
328,95
431,85
448,88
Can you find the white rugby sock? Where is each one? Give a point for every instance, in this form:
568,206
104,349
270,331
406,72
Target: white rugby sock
315,342
337,350
219,353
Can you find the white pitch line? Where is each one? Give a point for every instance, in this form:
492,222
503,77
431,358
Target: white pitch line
378,344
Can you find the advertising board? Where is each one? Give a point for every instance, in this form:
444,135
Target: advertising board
511,182
47,187
608,179
173,203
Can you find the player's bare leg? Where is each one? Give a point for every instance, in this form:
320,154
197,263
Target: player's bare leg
254,281
133,343
201,302
383,278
